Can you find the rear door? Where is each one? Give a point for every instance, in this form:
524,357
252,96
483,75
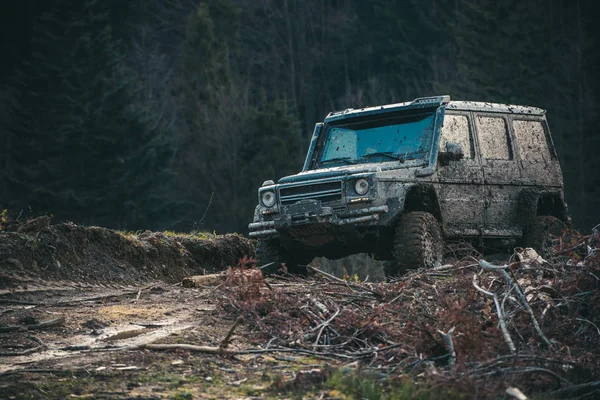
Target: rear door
501,175
460,188
537,157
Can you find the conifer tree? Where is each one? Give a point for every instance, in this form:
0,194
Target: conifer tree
85,151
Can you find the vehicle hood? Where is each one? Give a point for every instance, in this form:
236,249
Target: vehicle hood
346,170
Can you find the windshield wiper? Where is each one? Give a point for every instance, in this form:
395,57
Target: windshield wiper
347,160
388,154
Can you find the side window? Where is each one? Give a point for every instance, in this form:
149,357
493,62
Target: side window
456,129
531,141
493,138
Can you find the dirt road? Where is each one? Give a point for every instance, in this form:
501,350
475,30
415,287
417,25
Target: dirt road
96,351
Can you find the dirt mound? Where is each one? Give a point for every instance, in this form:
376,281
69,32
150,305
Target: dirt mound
71,252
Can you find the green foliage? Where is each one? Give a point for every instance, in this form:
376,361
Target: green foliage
182,396
362,385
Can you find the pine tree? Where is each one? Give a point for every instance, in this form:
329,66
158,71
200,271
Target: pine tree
85,152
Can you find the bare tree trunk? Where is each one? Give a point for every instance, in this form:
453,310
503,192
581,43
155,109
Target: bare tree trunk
581,156
290,43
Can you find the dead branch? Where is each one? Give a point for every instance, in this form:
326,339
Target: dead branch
485,265
48,324
505,332
589,322
323,326
448,340
10,328
577,391
225,342
326,322
41,325
44,371
41,346
510,370
189,347
105,297
341,281
19,302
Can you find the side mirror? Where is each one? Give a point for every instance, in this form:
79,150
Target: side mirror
454,152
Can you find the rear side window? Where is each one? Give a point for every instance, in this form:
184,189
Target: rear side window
456,129
531,141
493,138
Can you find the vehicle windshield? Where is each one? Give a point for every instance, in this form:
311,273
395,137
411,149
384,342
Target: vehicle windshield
396,139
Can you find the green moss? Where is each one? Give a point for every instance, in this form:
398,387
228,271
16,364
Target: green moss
357,385
182,396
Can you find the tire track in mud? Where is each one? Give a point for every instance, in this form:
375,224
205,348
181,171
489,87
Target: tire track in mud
101,319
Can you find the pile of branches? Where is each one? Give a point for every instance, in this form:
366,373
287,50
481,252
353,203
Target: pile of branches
482,328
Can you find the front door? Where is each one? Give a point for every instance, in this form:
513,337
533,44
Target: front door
460,187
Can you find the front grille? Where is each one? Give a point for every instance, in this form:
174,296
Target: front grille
326,192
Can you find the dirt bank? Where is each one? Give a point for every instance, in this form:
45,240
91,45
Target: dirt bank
69,252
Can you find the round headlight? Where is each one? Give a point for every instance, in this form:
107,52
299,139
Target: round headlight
268,199
361,186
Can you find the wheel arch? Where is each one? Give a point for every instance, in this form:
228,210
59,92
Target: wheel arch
534,204
422,198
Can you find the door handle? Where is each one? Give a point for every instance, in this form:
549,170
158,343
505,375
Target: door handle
486,203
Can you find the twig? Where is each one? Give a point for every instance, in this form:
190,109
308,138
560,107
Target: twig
346,283
43,371
448,339
24,303
104,297
484,264
505,332
10,328
225,342
41,346
189,347
510,370
207,207
590,322
577,390
326,322
41,325
47,324
323,326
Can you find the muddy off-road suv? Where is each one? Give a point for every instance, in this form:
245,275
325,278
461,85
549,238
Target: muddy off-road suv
398,180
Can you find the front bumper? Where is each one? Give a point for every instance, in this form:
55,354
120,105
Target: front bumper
312,212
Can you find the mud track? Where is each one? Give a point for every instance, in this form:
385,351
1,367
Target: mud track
96,352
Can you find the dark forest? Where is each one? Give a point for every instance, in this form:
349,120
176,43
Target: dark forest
168,114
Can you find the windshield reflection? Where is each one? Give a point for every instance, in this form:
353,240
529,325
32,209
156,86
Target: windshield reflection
397,139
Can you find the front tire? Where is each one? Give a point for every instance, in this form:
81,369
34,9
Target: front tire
417,243
270,251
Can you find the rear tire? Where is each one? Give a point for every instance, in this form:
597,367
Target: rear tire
417,243
540,233
270,251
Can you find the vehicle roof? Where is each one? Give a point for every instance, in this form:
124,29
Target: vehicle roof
494,107
434,102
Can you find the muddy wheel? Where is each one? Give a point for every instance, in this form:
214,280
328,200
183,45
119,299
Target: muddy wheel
540,233
417,243
270,251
